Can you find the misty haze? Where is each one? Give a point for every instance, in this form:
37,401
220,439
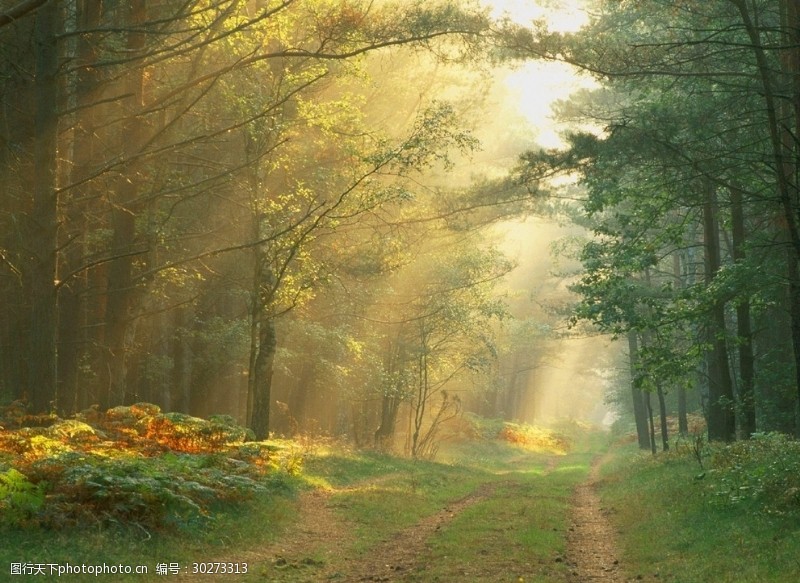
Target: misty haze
400,290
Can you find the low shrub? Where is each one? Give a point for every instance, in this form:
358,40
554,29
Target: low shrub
133,465
534,438
764,470
520,434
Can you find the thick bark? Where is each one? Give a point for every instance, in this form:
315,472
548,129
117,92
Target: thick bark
261,378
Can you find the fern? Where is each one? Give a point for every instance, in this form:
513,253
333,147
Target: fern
19,498
136,465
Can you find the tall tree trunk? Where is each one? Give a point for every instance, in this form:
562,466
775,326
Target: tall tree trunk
793,270
639,406
746,397
683,417
261,377
390,405
784,150
721,417
651,426
662,412
392,399
419,405
119,289
683,414
120,285
84,90
263,344
17,110
790,61
647,339
41,280
177,396
298,396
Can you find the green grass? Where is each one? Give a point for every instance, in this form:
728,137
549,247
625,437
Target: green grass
383,494
677,526
516,531
341,469
677,523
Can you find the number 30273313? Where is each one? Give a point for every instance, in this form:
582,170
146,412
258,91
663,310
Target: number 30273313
215,568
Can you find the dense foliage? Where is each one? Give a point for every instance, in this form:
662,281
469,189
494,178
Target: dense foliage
242,207
133,466
763,472
687,152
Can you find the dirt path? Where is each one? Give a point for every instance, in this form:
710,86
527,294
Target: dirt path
318,546
315,547
392,559
591,541
318,543
307,543
315,540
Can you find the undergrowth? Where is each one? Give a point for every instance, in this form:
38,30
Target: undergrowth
532,437
763,471
131,465
719,512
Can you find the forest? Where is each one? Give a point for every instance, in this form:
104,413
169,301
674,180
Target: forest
234,233
251,209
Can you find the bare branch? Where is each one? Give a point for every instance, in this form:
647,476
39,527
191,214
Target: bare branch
20,10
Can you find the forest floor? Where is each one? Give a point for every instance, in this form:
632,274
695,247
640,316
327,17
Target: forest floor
502,503
321,545
168,493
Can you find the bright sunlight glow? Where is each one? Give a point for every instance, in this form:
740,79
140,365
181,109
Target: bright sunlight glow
562,16
537,85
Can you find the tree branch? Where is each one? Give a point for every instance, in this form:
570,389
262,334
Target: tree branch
20,10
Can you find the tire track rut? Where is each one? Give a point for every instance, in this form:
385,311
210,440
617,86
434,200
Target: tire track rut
592,553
